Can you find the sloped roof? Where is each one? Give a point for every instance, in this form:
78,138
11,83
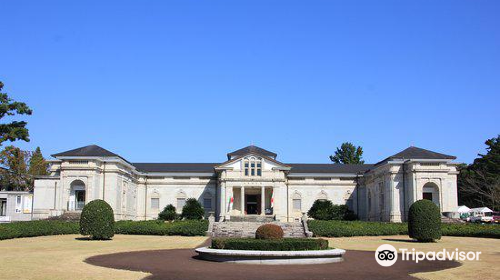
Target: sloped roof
176,167
417,153
87,151
481,209
329,168
251,149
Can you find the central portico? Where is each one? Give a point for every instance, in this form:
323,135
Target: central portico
250,182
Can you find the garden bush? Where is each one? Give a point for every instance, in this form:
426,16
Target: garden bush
37,228
342,212
325,210
269,231
97,220
424,221
192,210
157,227
321,210
286,244
168,214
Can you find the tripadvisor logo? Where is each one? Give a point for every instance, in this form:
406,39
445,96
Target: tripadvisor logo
386,255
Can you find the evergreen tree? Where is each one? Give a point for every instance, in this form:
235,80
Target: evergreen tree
348,154
38,165
14,130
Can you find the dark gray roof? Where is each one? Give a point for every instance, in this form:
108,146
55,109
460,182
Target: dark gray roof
417,153
87,151
329,168
252,149
176,167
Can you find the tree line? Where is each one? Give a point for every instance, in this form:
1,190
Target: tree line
18,167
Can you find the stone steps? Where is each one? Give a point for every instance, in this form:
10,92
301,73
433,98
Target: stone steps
248,229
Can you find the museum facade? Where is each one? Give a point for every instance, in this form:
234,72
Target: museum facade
251,182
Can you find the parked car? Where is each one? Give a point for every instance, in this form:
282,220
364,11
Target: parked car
482,218
496,217
481,215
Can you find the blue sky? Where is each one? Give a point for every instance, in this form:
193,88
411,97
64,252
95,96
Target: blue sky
189,81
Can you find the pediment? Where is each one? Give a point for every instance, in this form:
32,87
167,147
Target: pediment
238,162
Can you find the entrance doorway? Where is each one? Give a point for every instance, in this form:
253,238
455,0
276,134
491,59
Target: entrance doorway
252,205
80,199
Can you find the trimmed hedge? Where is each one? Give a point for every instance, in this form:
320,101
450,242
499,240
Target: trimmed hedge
37,228
157,227
471,230
97,220
424,221
286,244
269,231
355,228
361,228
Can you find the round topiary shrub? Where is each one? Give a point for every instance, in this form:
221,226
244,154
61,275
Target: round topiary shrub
168,214
321,210
97,220
424,221
192,210
269,231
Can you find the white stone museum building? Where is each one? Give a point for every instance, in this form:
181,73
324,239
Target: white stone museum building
251,182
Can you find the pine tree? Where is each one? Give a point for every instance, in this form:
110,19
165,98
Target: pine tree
38,166
348,154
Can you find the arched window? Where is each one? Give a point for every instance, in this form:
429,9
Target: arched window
77,195
252,166
297,201
430,191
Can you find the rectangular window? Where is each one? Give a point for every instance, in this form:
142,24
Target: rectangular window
180,203
155,203
259,169
297,204
19,204
207,203
3,207
246,168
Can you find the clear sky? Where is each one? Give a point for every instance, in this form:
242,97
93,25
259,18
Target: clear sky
189,81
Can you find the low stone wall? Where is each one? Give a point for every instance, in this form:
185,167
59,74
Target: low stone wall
271,257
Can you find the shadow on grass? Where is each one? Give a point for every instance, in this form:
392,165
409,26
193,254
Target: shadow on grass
86,238
401,240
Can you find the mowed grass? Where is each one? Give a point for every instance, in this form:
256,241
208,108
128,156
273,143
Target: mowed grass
62,257
484,269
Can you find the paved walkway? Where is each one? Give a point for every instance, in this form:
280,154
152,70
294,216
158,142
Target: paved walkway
182,264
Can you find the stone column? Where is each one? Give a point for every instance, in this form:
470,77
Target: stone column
223,201
262,200
242,200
